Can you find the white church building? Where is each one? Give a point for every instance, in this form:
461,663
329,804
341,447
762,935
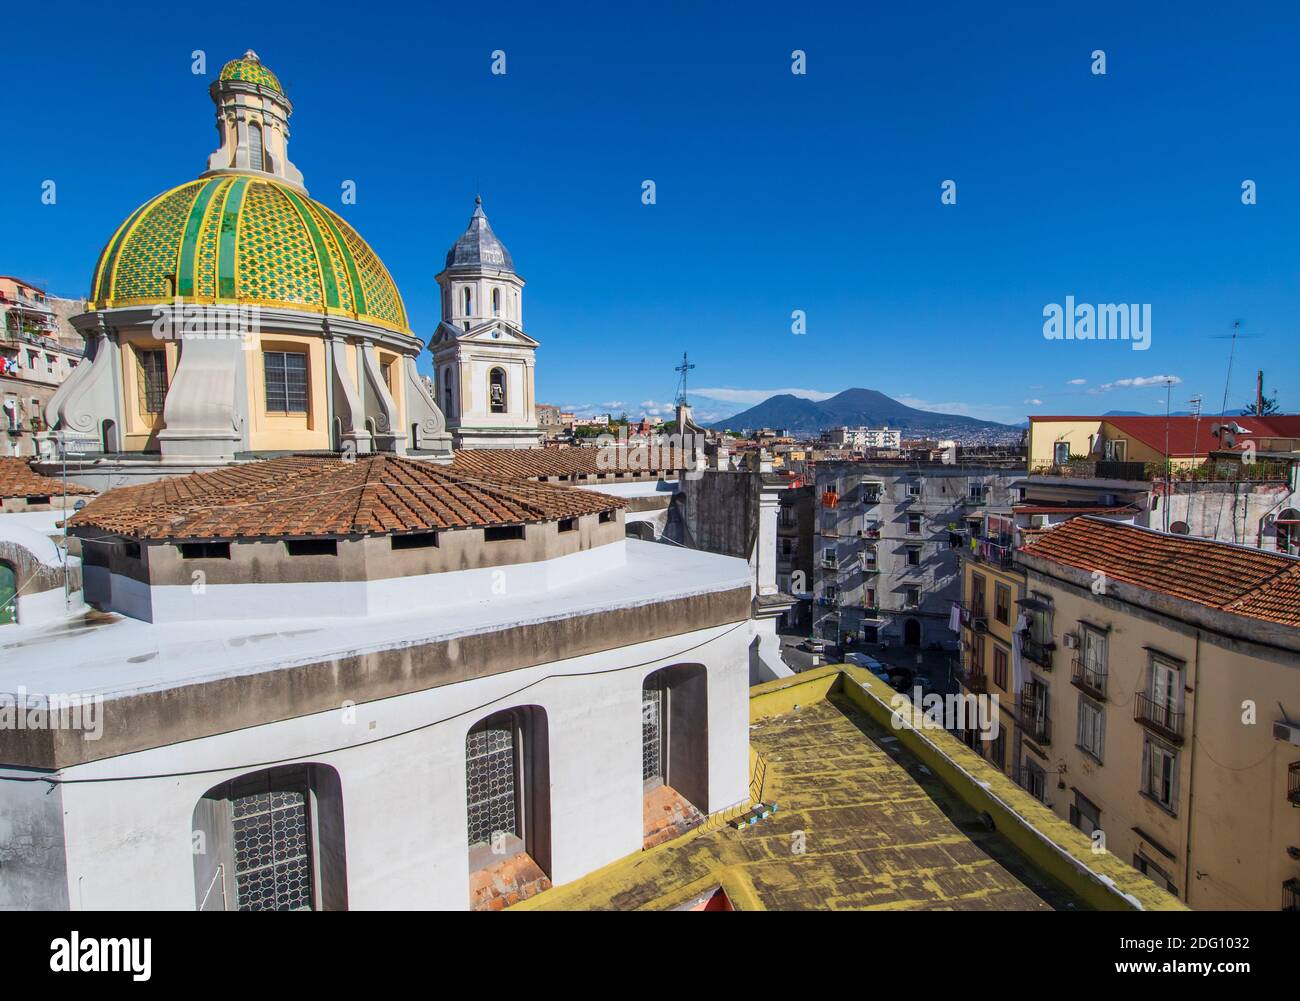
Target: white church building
313,683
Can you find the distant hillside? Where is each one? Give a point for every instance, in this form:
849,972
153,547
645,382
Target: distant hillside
853,407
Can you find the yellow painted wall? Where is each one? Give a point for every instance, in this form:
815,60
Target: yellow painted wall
286,432
998,636
1043,436
140,426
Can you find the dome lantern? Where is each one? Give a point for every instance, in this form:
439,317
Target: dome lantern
253,122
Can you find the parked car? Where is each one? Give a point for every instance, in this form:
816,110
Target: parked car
870,663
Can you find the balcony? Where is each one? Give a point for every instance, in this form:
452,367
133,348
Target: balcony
1291,895
1293,783
974,617
971,676
830,562
869,533
1039,653
871,611
994,554
1090,679
1032,717
1158,716
872,496
1088,470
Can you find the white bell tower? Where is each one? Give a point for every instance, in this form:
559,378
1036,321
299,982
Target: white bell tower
483,360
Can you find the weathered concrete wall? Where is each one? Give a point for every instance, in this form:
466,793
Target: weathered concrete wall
717,512
32,872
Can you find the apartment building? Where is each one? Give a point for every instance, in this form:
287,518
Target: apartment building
794,552
1158,705
38,350
886,546
859,438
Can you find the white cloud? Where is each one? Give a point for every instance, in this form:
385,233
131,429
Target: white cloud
1078,382
749,397
982,411
1141,382
1034,403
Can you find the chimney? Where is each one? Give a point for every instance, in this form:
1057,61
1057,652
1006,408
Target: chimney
1259,393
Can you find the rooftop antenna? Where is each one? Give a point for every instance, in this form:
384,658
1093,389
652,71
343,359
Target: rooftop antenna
1195,404
1236,329
683,368
1169,383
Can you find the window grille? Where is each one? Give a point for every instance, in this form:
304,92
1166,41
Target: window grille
272,846
153,380
652,732
256,158
492,781
286,382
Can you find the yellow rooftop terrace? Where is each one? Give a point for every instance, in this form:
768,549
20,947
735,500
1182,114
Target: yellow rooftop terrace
870,817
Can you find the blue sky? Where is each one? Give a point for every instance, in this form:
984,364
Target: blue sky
775,192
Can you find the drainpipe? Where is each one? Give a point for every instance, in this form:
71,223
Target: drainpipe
1191,770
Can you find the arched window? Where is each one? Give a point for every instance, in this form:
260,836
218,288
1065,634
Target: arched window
272,841
675,747
8,595
497,391
496,302
1288,532
256,158
468,299
446,392
507,801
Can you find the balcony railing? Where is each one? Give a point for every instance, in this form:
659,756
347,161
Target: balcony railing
974,617
1039,653
1291,895
1088,678
1293,783
971,676
872,496
1159,716
1033,718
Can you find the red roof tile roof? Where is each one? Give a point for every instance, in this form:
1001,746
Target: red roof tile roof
1238,579
530,463
311,495
18,479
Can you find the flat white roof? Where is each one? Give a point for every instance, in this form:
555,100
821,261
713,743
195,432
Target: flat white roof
123,656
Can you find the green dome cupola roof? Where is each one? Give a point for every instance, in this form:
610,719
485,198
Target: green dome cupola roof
242,239
249,69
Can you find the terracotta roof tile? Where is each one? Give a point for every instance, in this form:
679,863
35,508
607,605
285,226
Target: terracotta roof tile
531,463
1250,582
18,479
312,495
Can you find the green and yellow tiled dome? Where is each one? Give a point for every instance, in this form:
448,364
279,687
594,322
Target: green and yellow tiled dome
249,69
245,240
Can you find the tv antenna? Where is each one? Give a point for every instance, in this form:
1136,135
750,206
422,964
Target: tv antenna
1236,329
